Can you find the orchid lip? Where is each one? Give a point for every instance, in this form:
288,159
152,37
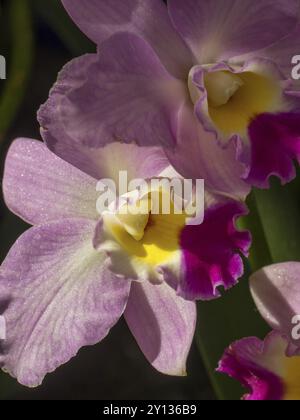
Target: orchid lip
144,240
231,96
221,87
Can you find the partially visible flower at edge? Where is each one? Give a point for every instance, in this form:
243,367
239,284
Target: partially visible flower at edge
68,279
264,368
271,368
193,77
276,292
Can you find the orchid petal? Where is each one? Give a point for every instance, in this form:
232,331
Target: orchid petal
40,187
108,161
276,292
280,53
212,252
250,362
163,325
56,296
123,94
275,143
100,19
198,155
217,29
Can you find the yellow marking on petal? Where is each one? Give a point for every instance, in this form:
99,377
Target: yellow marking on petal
292,378
221,87
160,239
234,100
286,368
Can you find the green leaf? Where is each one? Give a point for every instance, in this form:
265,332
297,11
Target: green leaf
19,62
279,210
260,254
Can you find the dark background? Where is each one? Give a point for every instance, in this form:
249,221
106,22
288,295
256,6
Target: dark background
115,368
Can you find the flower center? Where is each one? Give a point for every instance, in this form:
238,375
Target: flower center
151,238
292,378
221,87
248,95
135,218
233,100
286,368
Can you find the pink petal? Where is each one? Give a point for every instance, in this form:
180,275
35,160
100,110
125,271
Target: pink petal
163,325
244,361
100,19
40,187
57,296
218,29
123,94
276,292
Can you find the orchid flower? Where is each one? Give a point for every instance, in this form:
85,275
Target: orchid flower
68,279
276,292
264,368
209,80
271,368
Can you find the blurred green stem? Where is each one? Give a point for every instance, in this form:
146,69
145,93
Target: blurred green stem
279,210
260,254
19,62
54,14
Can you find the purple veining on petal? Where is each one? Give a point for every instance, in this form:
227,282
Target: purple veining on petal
275,143
281,53
218,29
122,94
100,19
241,362
40,187
57,296
211,252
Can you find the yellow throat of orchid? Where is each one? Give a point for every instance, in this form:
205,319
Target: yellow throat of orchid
235,99
292,378
286,368
148,237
